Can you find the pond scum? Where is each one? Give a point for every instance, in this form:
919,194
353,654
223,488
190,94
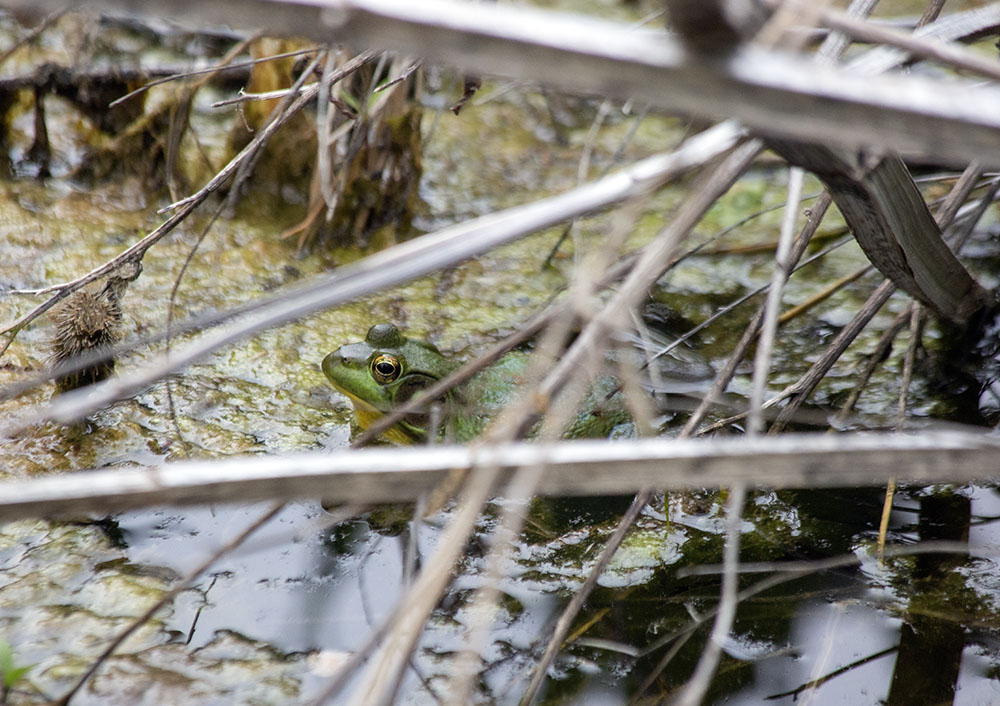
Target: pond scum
539,249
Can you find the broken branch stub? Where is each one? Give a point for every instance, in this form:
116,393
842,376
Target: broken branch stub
891,222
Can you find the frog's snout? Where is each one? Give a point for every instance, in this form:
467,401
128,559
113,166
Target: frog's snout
335,357
332,361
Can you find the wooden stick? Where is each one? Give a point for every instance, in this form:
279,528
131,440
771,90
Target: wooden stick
386,474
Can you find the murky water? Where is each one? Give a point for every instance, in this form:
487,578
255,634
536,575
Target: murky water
842,636
258,627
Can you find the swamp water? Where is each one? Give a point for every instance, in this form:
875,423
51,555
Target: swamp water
269,621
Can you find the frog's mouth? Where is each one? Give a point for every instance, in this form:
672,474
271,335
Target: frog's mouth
367,414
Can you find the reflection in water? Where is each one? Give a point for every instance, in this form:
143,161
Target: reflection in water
844,654
930,653
898,634
930,647
291,585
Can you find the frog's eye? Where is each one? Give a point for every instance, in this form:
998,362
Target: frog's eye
385,369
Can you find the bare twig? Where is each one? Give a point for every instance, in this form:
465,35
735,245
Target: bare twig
725,376
816,680
960,232
787,570
917,316
762,361
381,680
931,12
211,70
404,74
678,642
822,296
960,192
694,690
324,137
874,359
924,48
33,34
576,603
243,97
280,115
800,390
181,110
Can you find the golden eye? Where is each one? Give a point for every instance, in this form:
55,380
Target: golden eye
385,369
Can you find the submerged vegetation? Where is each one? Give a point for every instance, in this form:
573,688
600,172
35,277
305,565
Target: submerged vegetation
198,224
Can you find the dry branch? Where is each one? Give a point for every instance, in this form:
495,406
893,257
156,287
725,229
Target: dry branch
917,46
571,468
891,221
778,94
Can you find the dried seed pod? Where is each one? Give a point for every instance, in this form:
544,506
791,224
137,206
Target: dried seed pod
86,326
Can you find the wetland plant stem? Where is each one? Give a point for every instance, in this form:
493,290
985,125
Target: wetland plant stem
723,379
782,265
799,390
571,610
656,257
917,317
212,70
822,296
694,690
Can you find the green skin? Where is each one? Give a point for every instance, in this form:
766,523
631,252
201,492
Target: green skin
412,366
387,369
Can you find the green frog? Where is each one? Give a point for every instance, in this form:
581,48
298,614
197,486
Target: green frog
387,369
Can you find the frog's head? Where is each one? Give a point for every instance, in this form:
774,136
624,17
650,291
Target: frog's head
384,371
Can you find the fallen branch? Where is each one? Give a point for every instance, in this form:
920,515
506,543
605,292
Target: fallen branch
572,468
779,95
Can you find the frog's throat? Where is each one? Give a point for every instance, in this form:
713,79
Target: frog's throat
367,414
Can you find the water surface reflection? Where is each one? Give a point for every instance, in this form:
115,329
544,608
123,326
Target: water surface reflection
918,630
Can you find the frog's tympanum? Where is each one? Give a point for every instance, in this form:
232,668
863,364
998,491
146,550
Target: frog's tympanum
387,369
